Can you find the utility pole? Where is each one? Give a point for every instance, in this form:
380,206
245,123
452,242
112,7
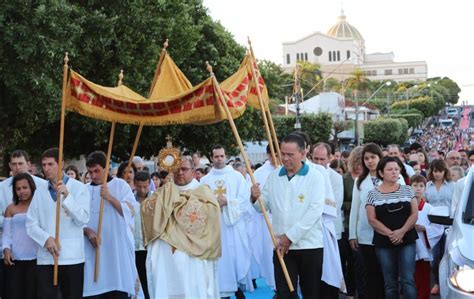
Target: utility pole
297,97
356,127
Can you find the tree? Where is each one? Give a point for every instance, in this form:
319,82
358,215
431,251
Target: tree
310,76
332,84
383,131
104,37
423,104
414,119
317,126
358,83
338,127
278,82
453,90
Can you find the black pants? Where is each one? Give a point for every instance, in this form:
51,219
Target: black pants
328,291
110,295
304,266
3,283
140,260
347,263
372,283
70,281
22,280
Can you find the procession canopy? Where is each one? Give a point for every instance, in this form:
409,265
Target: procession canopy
244,74
173,100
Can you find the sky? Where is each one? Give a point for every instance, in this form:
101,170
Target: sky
435,31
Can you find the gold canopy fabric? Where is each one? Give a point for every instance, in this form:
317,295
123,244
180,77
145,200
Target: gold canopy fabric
170,80
173,99
187,220
244,74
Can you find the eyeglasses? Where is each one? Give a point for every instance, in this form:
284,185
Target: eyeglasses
454,158
184,169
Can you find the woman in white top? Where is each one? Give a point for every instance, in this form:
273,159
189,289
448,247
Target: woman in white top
19,249
369,276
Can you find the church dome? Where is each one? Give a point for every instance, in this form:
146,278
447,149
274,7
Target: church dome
344,30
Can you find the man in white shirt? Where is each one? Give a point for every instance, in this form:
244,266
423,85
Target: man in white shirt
41,227
141,181
395,151
232,193
332,223
295,197
19,163
118,276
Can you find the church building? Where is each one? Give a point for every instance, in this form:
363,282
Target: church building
342,49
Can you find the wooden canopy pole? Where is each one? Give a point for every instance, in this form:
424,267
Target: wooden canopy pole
140,128
102,200
60,167
250,172
266,115
263,109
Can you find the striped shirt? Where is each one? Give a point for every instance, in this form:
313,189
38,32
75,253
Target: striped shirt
393,210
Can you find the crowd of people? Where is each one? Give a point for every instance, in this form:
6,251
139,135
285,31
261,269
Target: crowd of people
351,222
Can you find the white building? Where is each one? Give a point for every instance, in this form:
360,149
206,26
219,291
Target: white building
335,104
342,49
330,102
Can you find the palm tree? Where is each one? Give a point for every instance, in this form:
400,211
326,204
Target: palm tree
358,82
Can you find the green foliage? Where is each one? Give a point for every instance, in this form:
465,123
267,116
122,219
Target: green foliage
332,84
451,88
310,76
385,131
279,83
404,131
357,83
103,37
423,104
414,119
317,126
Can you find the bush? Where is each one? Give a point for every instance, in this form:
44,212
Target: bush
424,104
317,126
385,131
413,119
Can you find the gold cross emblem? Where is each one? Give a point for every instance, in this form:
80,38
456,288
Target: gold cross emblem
221,190
301,197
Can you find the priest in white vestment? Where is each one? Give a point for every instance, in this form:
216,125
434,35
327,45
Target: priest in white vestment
118,276
332,225
178,267
229,186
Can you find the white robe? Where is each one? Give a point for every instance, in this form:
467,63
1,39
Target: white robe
428,239
234,264
338,190
332,268
178,275
74,214
117,270
261,242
